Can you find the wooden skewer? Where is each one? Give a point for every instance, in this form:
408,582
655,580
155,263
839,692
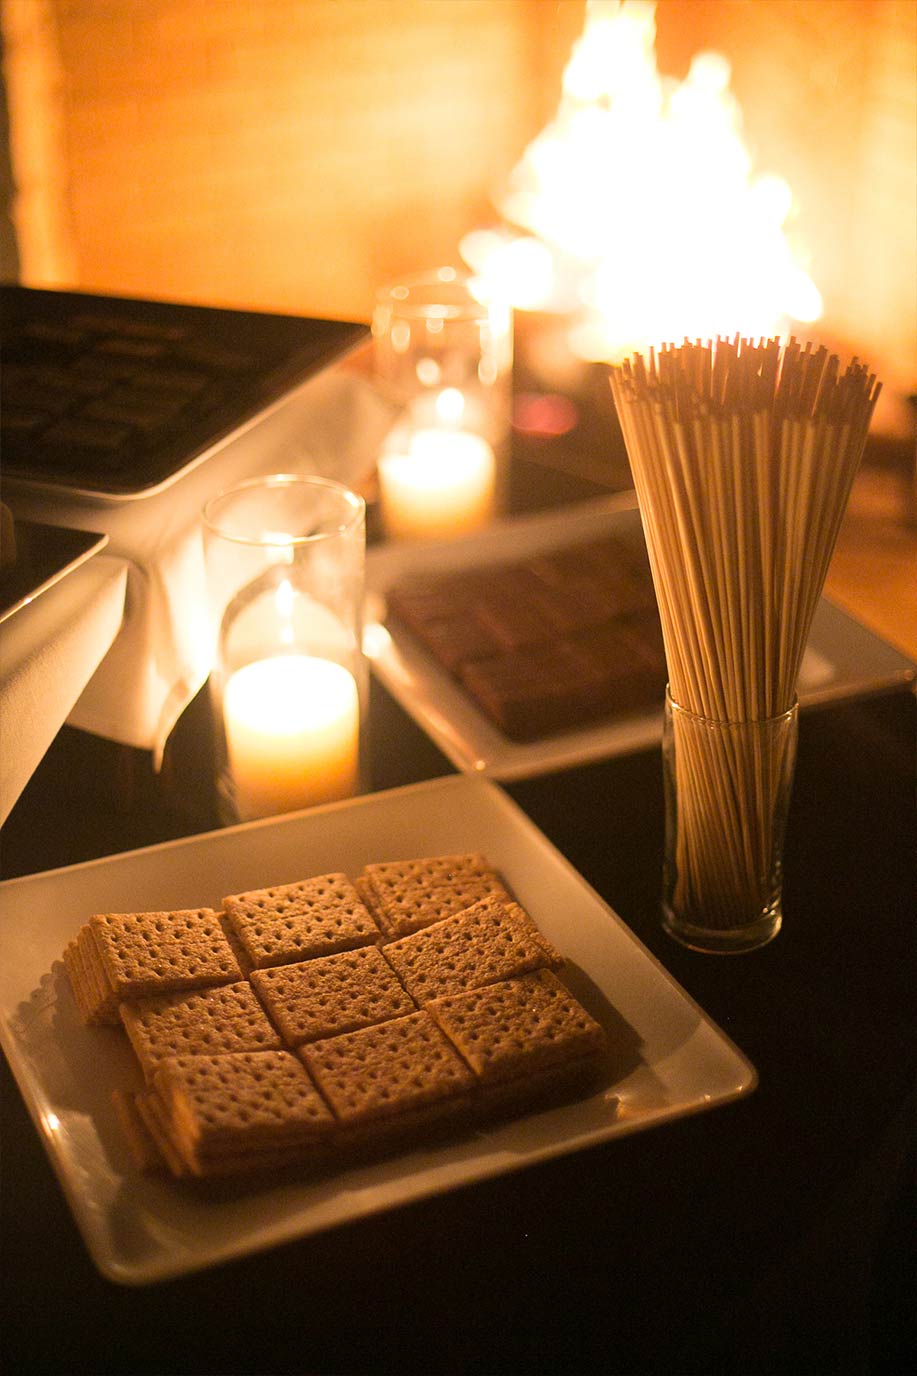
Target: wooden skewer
743,456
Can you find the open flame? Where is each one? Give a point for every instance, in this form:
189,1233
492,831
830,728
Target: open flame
642,211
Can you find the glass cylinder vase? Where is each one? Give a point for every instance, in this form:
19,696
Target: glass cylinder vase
445,353
727,794
444,357
285,569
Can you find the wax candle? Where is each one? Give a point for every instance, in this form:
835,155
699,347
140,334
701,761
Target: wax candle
292,733
443,485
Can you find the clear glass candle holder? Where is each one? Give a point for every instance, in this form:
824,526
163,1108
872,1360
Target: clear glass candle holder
285,570
445,356
727,794
445,353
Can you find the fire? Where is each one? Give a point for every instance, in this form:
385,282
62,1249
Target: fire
643,214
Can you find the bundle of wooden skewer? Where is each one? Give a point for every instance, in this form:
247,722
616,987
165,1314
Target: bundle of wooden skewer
743,455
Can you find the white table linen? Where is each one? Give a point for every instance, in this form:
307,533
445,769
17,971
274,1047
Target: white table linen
332,426
50,650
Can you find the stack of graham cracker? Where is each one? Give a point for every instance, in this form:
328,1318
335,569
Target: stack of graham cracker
310,1020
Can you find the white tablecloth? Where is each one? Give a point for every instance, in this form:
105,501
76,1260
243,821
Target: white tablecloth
333,426
50,650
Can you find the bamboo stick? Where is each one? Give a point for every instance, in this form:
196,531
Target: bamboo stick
743,456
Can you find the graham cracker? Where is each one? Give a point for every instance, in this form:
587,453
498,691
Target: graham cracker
98,992
152,1115
408,895
390,1068
291,922
553,958
143,1146
312,999
141,954
73,964
481,945
518,1026
184,1160
225,1018
227,1103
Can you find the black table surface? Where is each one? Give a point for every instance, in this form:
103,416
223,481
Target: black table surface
775,1234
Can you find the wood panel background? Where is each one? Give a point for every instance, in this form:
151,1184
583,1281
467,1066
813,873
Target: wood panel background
293,154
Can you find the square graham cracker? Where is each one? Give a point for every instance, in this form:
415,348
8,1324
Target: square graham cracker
518,1026
226,1018
229,1103
76,974
481,945
96,1000
140,954
390,1068
292,922
313,999
408,895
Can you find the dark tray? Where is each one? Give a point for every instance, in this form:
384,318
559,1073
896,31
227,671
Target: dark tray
117,396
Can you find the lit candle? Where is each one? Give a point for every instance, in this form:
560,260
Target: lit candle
292,733
444,485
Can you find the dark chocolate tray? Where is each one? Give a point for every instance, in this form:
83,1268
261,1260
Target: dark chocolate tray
843,658
111,395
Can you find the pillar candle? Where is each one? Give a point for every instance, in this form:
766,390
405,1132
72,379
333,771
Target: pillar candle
443,485
292,733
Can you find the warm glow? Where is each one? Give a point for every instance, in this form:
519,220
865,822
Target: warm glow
518,269
450,406
292,733
640,207
284,601
442,485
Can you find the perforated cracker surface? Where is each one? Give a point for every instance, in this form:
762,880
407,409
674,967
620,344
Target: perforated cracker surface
553,956
387,1069
156,952
479,946
519,1025
331,994
226,1101
291,922
226,1018
407,895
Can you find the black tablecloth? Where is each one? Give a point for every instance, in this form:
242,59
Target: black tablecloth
772,1235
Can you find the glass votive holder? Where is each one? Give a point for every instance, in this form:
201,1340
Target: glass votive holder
444,355
727,795
285,571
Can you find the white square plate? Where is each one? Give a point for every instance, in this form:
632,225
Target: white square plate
669,1059
842,658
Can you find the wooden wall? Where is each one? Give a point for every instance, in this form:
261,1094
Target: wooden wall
293,154
289,153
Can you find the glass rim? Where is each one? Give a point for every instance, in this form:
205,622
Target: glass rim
730,721
420,296
353,506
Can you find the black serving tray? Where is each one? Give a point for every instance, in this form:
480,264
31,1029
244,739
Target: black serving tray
117,396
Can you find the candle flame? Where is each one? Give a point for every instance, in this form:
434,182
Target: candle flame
284,601
450,406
